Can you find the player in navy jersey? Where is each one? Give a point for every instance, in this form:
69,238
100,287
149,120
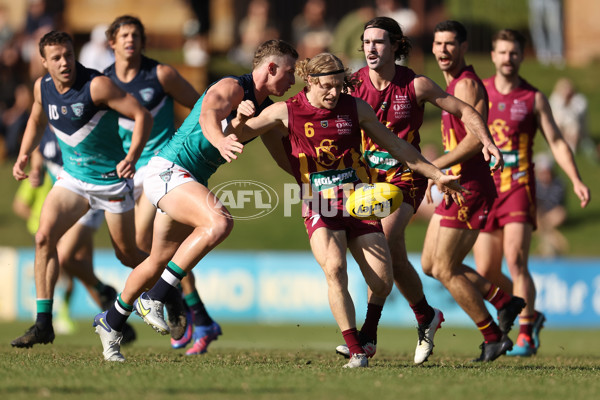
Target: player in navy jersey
156,86
193,221
81,107
517,111
75,247
322,136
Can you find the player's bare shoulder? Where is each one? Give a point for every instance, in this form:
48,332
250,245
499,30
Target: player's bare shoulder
166,73
470,85
103,89
469,90
426,90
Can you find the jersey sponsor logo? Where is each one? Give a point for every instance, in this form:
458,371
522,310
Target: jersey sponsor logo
110,174
77,109
147,94
518,111
325,154
380,160
332,178
518,175
511,158
343,123
401,106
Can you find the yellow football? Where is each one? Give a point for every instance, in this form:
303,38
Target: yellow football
375,201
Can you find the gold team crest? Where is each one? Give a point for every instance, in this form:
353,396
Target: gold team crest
324,124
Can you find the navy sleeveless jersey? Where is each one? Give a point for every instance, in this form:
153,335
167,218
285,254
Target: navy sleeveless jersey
87,134
147,89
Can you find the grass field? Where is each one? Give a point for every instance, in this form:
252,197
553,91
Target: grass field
296,362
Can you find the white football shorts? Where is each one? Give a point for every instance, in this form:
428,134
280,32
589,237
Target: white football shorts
163,176
116,198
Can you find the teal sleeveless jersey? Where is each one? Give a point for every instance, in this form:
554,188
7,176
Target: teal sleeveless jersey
87,134
191,150
146,88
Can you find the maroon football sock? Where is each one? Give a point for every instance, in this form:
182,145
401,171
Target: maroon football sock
351,339
490,331
526,325
423,312
497,297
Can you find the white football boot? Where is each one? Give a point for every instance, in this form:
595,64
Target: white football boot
426,333
152,312
111,339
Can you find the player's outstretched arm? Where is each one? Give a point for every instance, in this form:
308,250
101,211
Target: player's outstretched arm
427,90
273,117
403,151
559,147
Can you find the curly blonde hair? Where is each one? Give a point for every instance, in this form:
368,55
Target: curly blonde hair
321,65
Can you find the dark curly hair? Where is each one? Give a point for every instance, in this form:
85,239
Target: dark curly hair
394,32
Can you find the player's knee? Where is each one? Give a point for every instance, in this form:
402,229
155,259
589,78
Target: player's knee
42,239
382,287
130,258
217,230
336,275
517,265
441,272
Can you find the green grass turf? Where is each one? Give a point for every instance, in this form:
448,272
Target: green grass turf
296,362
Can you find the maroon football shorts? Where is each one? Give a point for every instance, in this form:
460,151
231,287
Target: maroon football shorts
473,213
354,227
515,205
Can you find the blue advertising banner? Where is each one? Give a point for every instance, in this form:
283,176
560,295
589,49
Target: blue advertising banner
289,287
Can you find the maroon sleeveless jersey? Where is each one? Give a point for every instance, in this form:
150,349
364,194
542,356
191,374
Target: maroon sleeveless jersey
397,108
453,132
513,124
325,146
